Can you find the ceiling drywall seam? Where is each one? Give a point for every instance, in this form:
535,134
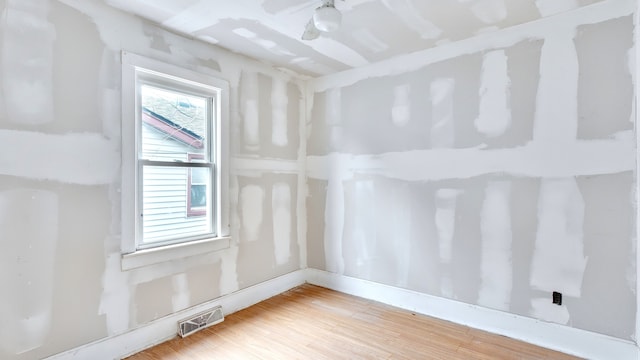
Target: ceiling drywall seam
553,7
367,39
489,11
406,10
105,16
506,37
241,10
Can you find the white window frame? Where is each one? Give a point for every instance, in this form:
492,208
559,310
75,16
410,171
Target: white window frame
135,69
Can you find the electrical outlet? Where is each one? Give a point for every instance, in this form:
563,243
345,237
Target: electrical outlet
557,298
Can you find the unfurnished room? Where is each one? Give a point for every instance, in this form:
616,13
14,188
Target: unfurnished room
319,179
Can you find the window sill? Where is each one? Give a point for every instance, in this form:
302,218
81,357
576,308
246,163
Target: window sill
157,255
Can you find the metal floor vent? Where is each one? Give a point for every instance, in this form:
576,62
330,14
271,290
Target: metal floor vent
200,321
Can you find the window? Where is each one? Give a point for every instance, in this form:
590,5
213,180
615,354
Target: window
174,182
196,189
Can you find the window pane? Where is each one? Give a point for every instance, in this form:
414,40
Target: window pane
172,207
173,124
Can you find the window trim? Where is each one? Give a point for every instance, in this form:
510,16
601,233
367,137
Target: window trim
132,66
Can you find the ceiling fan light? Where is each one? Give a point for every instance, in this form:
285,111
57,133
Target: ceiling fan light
327,18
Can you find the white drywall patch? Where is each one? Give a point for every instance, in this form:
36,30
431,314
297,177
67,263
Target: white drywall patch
26,61
556,116
181,295
552,7
281,207
536,159
496,266
110,99
105,17
407,12
333,116
544,309
29,239
401,110
495,114
631,63
558,261
364,235
445,220
365,38
251,202
399,229
334,216
257,167
489,11
249,109
263,43
229,271
338,51
442,130
86,159
279,102
116,295
301,187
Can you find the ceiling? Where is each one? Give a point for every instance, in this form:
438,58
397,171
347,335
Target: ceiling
372,30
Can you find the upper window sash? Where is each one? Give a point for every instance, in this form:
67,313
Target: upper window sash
186,91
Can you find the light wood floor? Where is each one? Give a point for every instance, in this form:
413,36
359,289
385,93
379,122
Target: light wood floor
310,322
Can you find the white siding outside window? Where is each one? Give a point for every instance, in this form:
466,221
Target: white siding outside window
174,184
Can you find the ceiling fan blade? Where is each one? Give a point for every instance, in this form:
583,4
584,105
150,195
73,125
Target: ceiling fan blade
310,31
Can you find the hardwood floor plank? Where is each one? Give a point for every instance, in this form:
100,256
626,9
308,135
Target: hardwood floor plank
311,322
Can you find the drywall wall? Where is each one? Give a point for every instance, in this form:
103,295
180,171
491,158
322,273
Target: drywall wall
60,274
493,171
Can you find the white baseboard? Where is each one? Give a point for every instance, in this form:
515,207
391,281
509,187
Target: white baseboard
549,335
131,342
